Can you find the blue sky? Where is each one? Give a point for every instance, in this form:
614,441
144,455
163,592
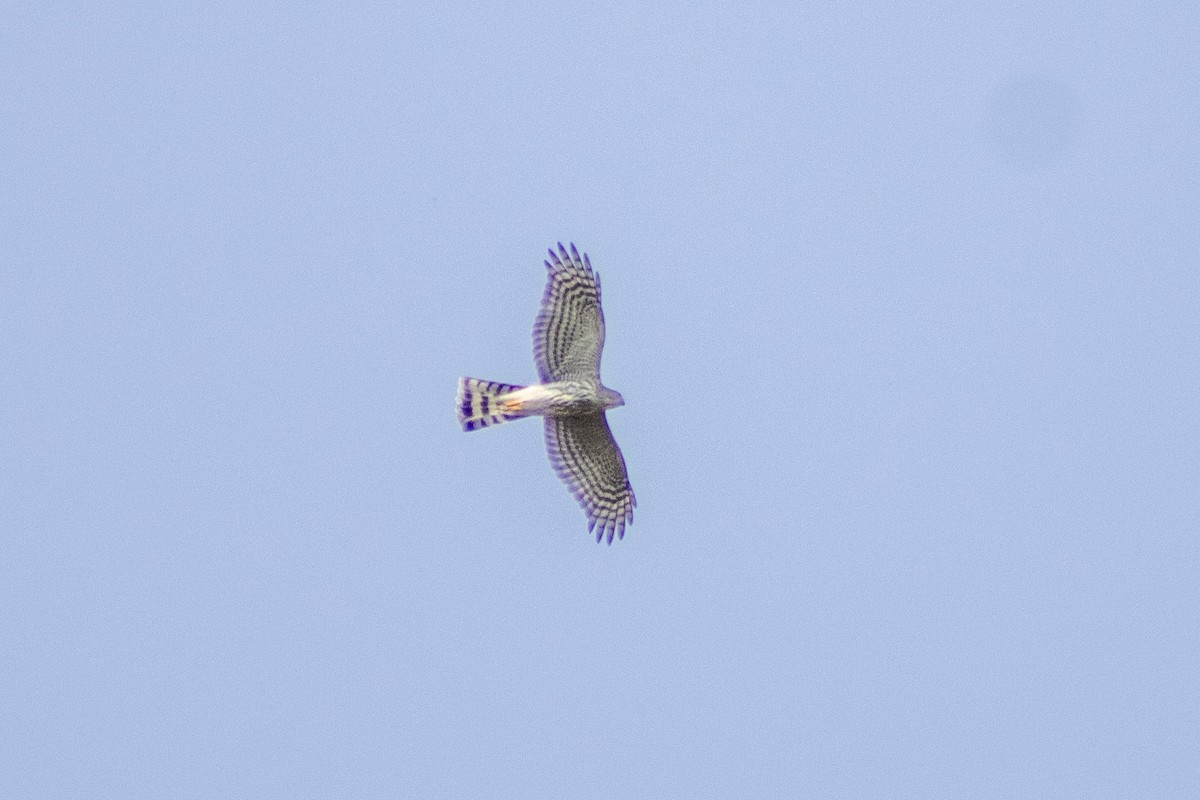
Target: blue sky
903,301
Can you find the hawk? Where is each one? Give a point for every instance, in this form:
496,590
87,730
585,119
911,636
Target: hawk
568,337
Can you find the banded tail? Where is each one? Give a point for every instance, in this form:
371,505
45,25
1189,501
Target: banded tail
480,403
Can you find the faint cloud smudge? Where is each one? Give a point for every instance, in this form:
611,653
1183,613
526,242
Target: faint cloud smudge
1033,121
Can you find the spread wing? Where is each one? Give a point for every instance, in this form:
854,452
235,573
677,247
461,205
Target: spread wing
568,335
586,457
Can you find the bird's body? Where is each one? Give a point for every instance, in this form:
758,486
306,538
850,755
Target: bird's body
484,403
568,338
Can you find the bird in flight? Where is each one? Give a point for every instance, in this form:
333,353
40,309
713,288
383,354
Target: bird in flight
568,338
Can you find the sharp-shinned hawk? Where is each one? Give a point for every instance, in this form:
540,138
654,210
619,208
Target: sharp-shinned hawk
568,338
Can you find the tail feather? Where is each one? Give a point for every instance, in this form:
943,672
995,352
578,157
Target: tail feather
478,403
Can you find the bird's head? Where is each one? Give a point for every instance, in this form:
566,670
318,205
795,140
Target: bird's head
612,399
